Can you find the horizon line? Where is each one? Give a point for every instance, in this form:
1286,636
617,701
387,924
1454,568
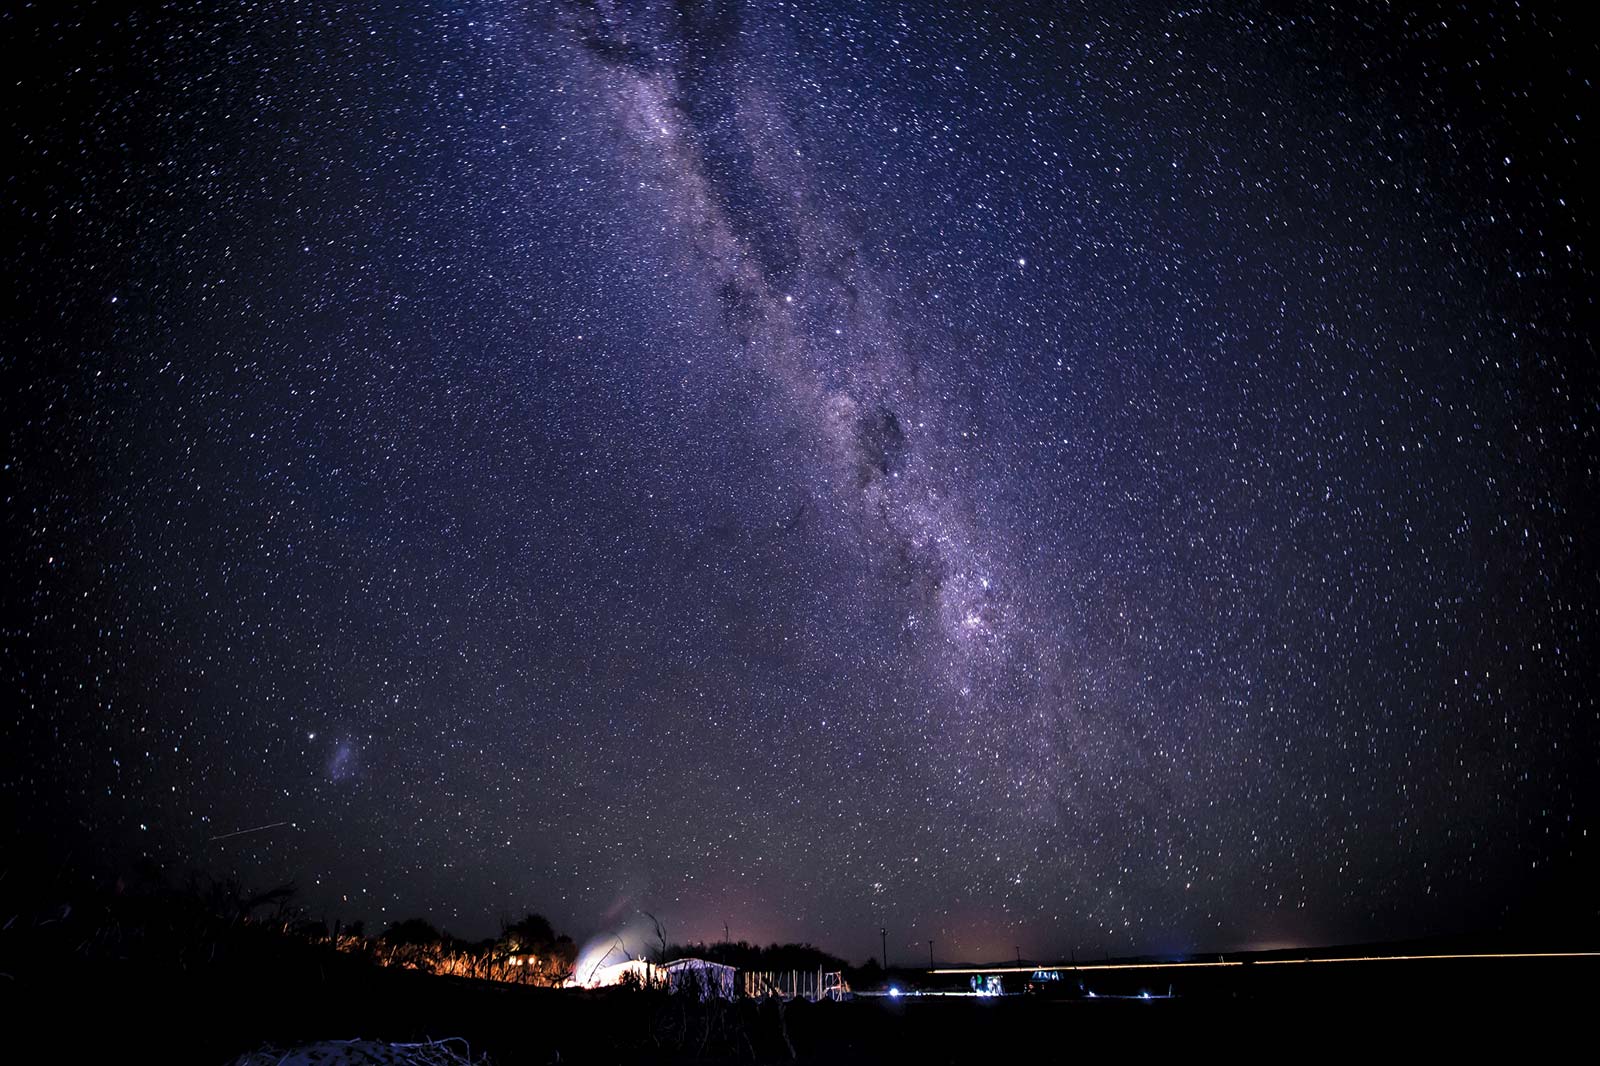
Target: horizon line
1259,962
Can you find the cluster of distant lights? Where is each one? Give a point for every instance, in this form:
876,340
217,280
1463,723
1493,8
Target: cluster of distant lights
1095,995
895,993
1054,973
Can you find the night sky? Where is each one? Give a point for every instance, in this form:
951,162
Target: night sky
1061,478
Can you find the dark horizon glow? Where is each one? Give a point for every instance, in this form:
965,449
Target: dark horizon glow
1051,479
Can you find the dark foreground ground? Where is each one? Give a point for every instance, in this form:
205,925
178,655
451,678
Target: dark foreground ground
1523,1007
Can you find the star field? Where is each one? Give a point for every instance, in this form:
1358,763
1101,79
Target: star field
1057,478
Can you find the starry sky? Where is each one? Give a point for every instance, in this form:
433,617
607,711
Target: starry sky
1068,477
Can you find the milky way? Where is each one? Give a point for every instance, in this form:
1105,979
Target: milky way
1049,480
875,425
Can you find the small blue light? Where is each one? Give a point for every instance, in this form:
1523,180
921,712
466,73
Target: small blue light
1144,995
895,992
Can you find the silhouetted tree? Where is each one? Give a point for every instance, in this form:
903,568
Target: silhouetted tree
660,951
869,975
412,931
553,954
413,942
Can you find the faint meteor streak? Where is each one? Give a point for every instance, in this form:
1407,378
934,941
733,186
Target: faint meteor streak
242,832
